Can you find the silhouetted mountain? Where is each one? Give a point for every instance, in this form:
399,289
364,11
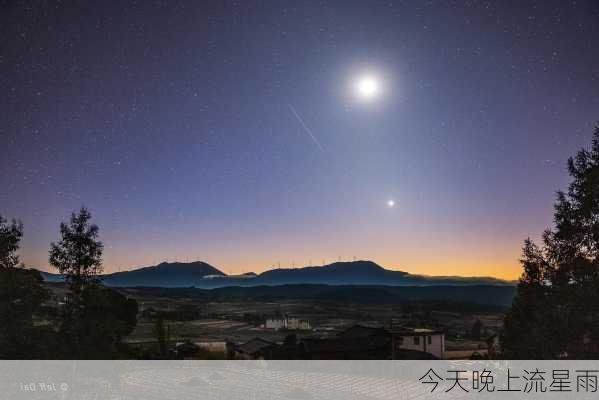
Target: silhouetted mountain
164,274
202,275
360,273
49,277
339,273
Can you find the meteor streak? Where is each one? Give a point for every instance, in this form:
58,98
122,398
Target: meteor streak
308,131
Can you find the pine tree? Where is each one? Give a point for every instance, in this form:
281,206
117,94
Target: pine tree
556,308
95,318
77,256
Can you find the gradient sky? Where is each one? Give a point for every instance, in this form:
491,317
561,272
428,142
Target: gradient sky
172,122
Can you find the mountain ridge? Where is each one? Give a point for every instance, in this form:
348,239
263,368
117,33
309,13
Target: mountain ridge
203,275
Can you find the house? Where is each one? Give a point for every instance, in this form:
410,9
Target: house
287,323
402,339
355,343
275,323
255,349
215,346
425,340
199,350
185,350
344,348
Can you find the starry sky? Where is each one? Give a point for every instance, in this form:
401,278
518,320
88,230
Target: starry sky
229,131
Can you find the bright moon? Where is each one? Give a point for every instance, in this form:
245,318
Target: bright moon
391,203
367,87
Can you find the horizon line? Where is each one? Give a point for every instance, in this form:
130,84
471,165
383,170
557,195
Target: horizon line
119,270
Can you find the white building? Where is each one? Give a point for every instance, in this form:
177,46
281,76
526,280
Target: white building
401,338
426,340
287,323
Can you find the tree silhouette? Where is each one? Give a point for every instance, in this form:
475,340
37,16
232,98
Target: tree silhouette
78,253
107,316
162,333
556,309
94,318
476,331
10,237
21,298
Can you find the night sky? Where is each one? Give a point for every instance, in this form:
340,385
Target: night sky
233,133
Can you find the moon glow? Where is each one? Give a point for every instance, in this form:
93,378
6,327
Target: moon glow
367,87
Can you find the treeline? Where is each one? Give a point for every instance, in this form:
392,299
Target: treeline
88,323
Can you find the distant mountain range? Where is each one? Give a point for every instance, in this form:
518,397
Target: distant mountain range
202,275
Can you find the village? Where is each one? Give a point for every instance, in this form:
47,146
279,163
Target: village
310,330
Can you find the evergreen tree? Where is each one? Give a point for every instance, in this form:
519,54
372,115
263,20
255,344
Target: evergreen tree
556,309
95,318
78,256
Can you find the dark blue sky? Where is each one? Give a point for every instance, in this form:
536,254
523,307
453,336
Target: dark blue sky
171,121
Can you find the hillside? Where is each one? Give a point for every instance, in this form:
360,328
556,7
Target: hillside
360,273
164,274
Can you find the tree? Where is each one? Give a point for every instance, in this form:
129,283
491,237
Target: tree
529,321
10,237
162,332
21,299
107,316
556,308
476,332
78,253
78,256
95,318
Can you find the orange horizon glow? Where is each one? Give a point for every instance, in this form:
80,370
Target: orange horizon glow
510,272
409,243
